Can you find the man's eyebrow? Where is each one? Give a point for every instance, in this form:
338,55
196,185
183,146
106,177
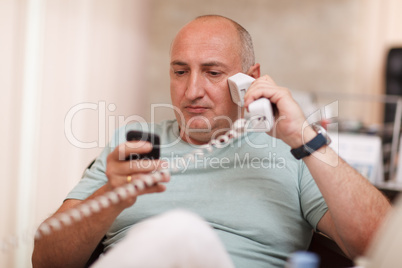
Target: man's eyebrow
206,64
177,62
213,63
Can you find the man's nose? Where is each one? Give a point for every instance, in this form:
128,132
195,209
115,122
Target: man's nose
195,87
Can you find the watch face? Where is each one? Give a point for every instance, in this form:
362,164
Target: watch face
320,129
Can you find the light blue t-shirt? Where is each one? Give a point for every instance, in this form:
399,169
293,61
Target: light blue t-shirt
262,202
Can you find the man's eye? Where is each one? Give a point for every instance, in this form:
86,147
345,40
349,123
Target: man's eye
179,72
215,73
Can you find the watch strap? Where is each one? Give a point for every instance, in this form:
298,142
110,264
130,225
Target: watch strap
310,147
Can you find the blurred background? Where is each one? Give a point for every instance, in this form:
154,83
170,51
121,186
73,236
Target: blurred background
71,71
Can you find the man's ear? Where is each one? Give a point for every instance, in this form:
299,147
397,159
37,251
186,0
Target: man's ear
254,71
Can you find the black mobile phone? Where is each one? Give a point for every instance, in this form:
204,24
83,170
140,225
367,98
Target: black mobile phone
134,135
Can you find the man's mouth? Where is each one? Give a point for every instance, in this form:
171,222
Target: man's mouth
195,109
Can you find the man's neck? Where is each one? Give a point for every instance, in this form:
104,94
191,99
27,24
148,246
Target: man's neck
200,138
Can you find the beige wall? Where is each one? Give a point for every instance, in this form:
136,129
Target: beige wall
89,51
9,111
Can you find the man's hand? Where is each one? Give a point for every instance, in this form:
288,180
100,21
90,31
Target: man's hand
118,169
290,123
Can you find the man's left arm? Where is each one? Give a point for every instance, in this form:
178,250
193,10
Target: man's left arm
355,207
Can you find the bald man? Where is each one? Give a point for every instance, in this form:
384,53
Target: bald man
256,202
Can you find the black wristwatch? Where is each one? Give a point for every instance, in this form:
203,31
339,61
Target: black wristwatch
307,149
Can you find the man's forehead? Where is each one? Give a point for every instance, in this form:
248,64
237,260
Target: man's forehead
204,40
211,48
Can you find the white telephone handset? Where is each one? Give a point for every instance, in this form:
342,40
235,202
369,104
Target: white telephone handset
260,113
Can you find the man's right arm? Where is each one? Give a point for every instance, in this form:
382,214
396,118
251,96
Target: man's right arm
73,245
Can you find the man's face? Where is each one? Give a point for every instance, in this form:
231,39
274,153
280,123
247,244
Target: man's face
203,55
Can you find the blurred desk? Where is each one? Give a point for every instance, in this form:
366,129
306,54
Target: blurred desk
390,194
